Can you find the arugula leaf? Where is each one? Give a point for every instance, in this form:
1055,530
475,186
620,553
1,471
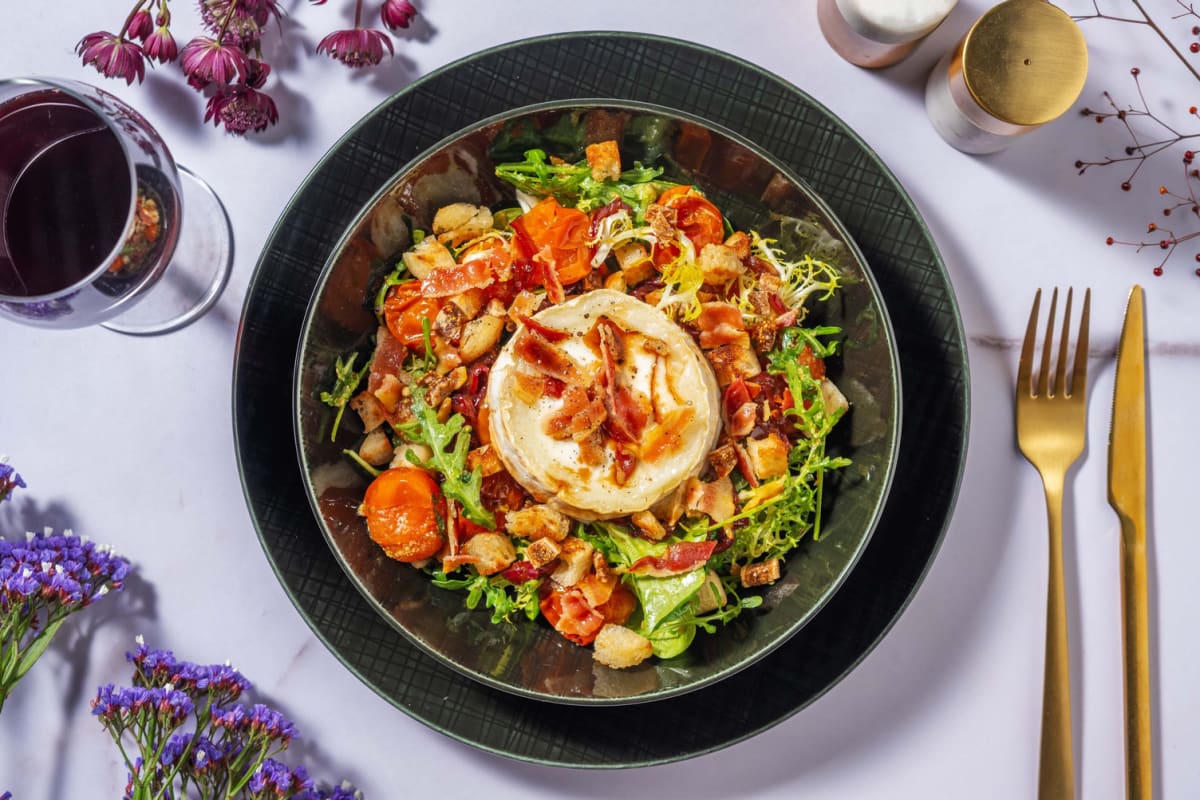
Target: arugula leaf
449,442
573,184
502,596
343,388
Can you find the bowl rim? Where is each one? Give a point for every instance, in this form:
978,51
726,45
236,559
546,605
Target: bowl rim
894,426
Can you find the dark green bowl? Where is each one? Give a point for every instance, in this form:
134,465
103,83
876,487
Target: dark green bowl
755,191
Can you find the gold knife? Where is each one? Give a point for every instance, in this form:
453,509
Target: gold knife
1127,494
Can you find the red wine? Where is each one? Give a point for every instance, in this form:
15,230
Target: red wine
64,193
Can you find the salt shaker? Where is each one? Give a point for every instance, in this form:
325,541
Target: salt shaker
1021,65
878,33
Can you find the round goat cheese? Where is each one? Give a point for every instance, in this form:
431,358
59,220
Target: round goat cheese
602,406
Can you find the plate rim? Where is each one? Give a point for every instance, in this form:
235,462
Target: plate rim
961,363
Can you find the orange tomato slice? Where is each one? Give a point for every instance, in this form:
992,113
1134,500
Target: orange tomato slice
565,231
403,311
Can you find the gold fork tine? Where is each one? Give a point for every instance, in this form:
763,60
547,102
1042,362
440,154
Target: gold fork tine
1079,371
1060,372
1025,365
1043,383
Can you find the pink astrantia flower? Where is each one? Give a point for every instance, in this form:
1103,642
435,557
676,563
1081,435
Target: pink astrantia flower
359,47
160,45
113,56
241,109
205,60
140,25
397,14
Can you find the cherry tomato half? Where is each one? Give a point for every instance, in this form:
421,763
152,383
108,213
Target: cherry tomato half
699,219
402,506
403,311
565,231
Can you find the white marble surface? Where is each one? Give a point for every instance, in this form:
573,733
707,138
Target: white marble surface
130,441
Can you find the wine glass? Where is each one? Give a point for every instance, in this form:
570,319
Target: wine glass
92,211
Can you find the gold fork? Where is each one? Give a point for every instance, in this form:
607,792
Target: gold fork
1051,428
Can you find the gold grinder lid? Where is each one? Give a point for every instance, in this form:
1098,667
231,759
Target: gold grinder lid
1025,61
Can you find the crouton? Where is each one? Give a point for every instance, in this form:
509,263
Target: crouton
369,410
426,256
759,574
389,393
376,449
648,524
449,322
469,302
542,551
834,399
616,282
605,160
574,562
720,264
619,647
534,522
485,458
711,594
723,460
662,220
479,336
768,456
400,455
739,243
733,361
495,552
461,222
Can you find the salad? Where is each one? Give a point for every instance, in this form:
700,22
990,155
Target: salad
601,406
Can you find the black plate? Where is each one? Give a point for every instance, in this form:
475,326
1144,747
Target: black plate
861,191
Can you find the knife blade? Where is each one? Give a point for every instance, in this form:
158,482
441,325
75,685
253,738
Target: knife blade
1127,495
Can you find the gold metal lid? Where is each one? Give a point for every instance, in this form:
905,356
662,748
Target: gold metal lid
1024,61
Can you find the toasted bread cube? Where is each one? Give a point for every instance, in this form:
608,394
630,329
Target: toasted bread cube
720,264
460,222
426,256
759,574
525,304
768,456
542,552
733,361
739,243
574,562
616,282
648,524
662,220
711,594
469,302
479,336
605,160
376,449
400,455
619,647
534,522
449,322
484,457
834,399
495,552
369,410
389,393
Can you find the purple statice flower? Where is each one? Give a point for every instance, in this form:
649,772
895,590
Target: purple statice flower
140,25
65,572
275,780
220,682
160,45
397,14
358,47
205,60
10,479
122,708
200,755
260,722
113,56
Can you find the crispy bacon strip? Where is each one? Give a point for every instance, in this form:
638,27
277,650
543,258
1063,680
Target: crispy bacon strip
447,281
626,418
549,275
680,557
546,357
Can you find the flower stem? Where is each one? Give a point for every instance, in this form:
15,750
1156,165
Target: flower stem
357,13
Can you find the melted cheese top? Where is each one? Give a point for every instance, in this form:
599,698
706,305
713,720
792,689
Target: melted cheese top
662,368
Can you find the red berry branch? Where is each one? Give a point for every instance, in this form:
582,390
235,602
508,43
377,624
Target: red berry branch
1149,135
